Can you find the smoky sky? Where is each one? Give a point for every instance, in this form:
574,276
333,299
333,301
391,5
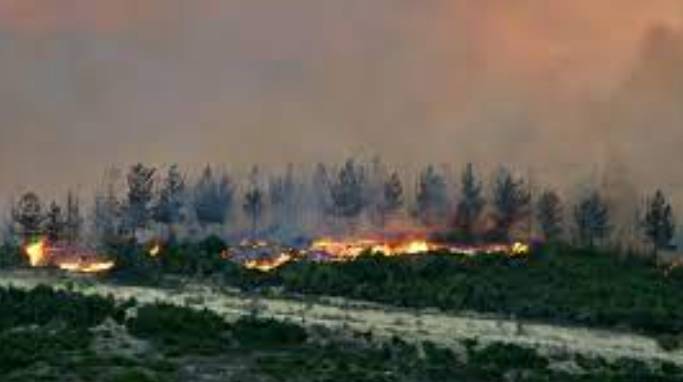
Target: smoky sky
564,89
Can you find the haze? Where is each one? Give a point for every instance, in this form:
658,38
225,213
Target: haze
566,89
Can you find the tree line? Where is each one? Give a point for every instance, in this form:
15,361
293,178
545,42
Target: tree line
347,196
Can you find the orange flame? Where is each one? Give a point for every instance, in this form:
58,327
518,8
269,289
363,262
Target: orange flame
86,267
37,253
267,265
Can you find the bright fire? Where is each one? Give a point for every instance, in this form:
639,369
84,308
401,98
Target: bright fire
86,267
267,265
37,253
66,257
344,250
155,250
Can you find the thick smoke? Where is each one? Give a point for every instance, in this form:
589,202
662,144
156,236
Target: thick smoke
566,90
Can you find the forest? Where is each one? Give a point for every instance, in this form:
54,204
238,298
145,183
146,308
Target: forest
582,268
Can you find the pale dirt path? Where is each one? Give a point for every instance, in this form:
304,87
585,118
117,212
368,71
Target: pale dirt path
410,325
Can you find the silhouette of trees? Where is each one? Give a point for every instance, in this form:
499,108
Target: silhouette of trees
213,198
432,197
658,222
140,181
471,203
73,221
511,201
169,207
107,213
253,201
347,191
28,214
592,219
55,226
392,197
550,215
282,196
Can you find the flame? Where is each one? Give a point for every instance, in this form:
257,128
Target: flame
267,265
37,253
519,249
86,267
155,250
66,257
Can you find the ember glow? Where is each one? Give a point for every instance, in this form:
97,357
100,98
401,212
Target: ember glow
68,258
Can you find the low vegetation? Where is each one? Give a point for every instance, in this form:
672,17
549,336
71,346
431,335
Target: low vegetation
47,335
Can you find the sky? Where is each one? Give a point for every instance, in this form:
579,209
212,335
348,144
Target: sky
561,89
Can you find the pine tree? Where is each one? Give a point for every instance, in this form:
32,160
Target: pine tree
282,195
471,203
28,214
592,219
321,185
169,208
140,186
432,197
253,201
108,210
549,213
392,197
213,198
347,192
511,200
55,224
658,222
73,220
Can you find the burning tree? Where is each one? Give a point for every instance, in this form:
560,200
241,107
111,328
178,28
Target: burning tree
658,222
432,197
28,214
253,201
347,192
140,185
169,208
592,219
213,198
55,224
471,203
511,200
549,213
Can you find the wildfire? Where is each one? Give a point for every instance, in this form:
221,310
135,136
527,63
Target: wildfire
86,267
267,265
65,257
345,250
155,250
37,253
520,249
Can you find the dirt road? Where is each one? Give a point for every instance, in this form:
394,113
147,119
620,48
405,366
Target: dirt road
411,325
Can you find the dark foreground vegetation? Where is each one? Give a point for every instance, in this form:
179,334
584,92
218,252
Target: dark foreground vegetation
47,335
558,284
565,285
